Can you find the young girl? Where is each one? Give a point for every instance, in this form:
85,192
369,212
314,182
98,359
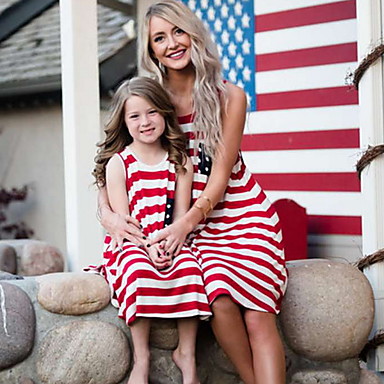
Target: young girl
144,166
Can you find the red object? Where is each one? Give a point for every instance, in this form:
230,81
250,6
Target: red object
307,57
294,224
324,13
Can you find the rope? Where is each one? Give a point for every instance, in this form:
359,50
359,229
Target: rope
369,260
375,54
375,342
370,154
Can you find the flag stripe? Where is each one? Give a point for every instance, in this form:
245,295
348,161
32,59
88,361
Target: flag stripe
297,161
327,182
334,225
308,36
331,54
262,7
320,97
343,10
298,79
341,138
303,120
323,202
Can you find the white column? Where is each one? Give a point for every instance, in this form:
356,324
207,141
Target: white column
81,120
370,22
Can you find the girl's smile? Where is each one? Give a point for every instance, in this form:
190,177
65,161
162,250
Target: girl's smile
148,131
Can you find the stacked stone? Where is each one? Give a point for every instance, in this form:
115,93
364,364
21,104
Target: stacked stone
60,328
29,257
76,339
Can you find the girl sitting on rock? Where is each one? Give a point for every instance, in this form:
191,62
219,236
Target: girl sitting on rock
144,166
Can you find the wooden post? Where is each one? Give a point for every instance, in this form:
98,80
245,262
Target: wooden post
370,27
81,122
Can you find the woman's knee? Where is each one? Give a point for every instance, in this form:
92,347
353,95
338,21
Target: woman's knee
260,323
223,304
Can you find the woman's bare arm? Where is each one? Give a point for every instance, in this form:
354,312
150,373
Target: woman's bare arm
183,194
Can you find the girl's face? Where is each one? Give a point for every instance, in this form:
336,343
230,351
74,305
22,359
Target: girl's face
145,124
170,44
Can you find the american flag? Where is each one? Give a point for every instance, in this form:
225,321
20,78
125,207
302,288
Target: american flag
302,135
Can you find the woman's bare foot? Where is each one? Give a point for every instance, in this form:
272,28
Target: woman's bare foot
139,373
187,366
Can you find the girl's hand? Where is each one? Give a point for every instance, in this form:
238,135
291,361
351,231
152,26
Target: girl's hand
172,238
121,227
158,257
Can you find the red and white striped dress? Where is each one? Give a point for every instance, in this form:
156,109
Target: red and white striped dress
138,289
240,243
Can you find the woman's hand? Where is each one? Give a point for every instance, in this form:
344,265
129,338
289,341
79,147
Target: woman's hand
173,237
159,259
121,227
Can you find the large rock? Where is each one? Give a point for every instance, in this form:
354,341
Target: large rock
164,334
83,352
39,258
368,377
163,369
319,377
8,260
350,367
25,380
36,257
328,310
17,325
220,359
73,293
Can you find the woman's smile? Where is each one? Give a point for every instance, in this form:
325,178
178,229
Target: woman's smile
177,55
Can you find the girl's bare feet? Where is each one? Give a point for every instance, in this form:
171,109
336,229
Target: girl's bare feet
187,366
139,373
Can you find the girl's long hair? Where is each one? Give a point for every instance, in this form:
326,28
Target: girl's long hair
209,89
117,137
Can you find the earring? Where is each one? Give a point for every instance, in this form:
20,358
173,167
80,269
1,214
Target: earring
161,67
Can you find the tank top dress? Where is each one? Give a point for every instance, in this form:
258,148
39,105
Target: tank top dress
138,289
240,243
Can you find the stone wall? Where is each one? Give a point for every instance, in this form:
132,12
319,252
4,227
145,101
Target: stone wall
60,328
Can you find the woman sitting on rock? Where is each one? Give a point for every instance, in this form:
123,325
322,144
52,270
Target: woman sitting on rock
231,223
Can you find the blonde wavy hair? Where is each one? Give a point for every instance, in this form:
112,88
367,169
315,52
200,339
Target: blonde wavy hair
117,137
209,89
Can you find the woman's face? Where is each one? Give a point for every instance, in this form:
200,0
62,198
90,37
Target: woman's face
170,44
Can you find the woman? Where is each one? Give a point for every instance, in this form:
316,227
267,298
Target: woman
231,223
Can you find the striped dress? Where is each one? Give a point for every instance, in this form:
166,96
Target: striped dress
138,289
240,243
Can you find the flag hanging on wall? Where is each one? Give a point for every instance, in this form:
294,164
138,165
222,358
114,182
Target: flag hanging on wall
301,139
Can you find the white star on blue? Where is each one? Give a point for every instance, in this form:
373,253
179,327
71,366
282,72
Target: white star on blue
232,25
